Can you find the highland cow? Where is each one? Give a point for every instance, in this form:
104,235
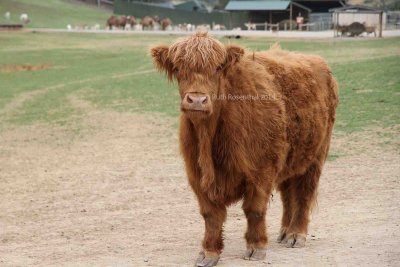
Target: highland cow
251,122
113,21
165,24
148,22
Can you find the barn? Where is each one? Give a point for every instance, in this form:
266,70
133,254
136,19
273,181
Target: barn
346,15
315,14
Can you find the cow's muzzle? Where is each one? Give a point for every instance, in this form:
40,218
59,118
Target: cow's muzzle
196,102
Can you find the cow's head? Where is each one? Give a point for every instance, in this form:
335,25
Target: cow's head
197,63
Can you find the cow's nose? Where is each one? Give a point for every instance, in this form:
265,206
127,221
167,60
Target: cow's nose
196,102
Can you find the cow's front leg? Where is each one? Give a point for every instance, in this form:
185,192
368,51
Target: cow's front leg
255,207
214,218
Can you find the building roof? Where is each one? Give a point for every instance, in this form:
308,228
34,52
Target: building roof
355,8
257,5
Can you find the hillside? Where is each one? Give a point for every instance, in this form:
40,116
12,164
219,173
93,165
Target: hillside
53,13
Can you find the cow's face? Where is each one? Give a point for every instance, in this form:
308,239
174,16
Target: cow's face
197,63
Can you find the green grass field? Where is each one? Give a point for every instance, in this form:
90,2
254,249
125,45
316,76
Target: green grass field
53,13
115,72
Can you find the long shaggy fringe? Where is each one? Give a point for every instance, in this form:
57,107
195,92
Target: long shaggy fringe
197,53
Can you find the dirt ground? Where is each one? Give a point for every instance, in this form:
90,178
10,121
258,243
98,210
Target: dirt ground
110,190
25,67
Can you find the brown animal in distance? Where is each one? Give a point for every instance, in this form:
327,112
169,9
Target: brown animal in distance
165,23
118,22
343,29
370,29
250,122
148,22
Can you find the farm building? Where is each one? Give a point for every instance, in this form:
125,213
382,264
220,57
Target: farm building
345,16
314,13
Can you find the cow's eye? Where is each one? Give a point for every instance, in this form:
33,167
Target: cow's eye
220,67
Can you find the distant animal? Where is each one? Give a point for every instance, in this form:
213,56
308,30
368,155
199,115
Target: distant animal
355,29
250,26
250,122
156,19
114,22
165,23
131,20
370,29
218,27
147,22
24,18
343,29
122,22
184,27
7,15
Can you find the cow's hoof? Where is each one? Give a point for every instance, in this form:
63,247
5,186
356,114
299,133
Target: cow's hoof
282,237
255,254
295,240
206,260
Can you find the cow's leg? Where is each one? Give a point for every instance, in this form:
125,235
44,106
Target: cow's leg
286,193
214,218
305,189
255,207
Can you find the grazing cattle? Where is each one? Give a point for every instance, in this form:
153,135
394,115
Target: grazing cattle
119,22
370,29
218,27
343,29
112,22
356,28
131,20
148,22
165,24
250,122
122,22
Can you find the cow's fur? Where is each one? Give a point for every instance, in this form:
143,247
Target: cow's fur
276,136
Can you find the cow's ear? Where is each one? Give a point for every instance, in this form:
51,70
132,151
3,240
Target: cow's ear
161,60
233,54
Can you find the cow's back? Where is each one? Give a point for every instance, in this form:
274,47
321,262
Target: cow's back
310,95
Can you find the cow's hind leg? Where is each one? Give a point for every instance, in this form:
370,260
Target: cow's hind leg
214,218
286,192
255,207
304,189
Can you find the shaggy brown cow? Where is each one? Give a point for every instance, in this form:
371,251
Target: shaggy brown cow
165,23
131,20
251,122
370,29
148,22
114,21
343,29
